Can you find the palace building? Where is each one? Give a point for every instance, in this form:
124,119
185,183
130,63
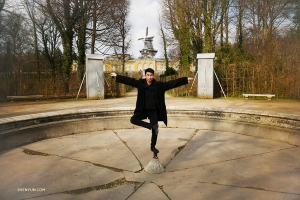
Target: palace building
158,65
146,60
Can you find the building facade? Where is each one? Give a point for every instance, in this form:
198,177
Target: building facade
146,60
137,65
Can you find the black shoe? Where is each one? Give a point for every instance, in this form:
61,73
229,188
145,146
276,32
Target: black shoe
154,150
155,129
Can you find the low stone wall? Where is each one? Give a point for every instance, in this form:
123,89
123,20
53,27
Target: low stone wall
21,130
278,127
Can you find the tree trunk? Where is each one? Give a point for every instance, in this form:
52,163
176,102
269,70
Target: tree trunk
67,63
81,47
240,25
226,27
36,52
165,46
94,26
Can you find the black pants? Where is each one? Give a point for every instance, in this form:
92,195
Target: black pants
152,116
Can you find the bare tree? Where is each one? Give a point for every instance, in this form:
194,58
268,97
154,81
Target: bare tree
164,40
213,15
100,26
15,48
66,14
266,19
121,39
2,3
239,35
50,41
30,9
195,25
81,35
296,19
178,21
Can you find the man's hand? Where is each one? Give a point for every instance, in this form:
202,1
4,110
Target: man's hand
190,79
113,74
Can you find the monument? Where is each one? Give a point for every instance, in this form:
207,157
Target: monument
94,76
205,75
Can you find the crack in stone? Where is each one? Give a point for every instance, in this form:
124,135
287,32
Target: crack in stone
32,152
137,185
161,187
232,159
125,143
182,147
255,188
38,153
107,167
114,184
135,189
249,187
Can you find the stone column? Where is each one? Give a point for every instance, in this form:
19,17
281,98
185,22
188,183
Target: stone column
205,75
94,76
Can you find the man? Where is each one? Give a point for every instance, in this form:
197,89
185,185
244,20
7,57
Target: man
150,101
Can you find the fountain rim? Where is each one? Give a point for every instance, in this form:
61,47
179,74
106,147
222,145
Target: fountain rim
287,125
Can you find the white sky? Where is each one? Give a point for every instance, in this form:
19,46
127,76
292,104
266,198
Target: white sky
143,14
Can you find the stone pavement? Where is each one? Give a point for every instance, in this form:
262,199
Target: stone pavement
9,109
199,164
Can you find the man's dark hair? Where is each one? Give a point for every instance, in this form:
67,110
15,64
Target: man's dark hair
149,70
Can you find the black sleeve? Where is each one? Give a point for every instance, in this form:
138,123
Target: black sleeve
175,83
127,80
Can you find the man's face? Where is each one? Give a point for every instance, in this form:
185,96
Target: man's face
149,77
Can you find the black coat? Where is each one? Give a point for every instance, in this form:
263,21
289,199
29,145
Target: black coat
159,88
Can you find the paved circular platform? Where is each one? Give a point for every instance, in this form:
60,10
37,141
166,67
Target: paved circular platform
199,164
109,164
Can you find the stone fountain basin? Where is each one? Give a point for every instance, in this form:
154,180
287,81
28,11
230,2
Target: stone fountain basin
25,129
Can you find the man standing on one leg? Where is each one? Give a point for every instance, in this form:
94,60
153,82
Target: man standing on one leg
150,101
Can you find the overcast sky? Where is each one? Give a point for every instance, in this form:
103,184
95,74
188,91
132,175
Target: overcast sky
143,14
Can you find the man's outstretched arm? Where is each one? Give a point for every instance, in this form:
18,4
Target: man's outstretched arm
177,82
125,80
